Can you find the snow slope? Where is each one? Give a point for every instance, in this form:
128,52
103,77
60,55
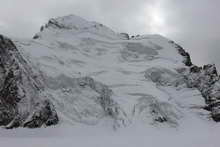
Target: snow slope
98,79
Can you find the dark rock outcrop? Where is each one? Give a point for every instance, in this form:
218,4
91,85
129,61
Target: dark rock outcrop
44,115
187,60
207,81
22,99
53,23
125,36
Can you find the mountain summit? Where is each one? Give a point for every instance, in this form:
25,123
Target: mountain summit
76,72
74,25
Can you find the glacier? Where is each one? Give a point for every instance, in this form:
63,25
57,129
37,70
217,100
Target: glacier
108,86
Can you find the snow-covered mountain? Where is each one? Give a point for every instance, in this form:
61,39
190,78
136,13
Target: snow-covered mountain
77,72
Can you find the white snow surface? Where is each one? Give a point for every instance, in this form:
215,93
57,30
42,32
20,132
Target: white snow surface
128,68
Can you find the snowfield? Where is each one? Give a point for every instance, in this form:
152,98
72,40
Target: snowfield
109,90
191,135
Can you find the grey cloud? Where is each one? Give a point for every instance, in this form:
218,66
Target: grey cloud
197,22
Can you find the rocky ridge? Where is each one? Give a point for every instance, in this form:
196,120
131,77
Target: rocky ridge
22,100
205,79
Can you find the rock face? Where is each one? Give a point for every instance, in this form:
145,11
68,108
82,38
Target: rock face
206,80
125,36
22,101
187,59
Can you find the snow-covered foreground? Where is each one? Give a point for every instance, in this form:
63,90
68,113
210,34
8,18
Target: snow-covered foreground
60,136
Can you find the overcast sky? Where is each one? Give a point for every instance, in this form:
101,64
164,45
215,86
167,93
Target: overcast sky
194,24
